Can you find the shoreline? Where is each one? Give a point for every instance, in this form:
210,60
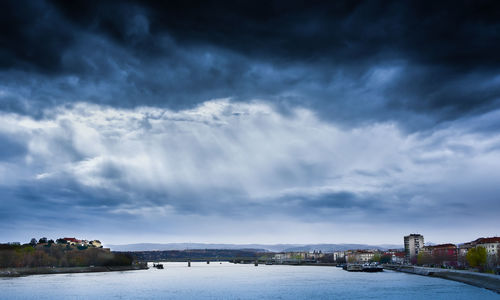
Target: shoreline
487,281
17,272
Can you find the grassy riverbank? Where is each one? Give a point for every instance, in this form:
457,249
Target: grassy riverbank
16,272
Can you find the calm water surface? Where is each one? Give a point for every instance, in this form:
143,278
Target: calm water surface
229,281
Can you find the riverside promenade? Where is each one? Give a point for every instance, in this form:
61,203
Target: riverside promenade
487,281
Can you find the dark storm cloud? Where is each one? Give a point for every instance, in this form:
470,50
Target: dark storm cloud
32,36
414,62
434,33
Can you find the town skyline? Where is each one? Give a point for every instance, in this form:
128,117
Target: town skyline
232,245
481,254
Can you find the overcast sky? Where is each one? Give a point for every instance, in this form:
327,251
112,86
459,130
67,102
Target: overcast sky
273,122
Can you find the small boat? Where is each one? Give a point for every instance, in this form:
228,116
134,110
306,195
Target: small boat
372,268
158,266
354,268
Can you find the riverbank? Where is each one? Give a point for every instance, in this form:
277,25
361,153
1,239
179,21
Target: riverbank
16,272
487,281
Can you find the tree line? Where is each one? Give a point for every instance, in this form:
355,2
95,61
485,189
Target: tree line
59,255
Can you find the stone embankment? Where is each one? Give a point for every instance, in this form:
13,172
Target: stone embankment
487,281
16,272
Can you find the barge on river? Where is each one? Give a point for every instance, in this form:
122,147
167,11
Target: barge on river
363,268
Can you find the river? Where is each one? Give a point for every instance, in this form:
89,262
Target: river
230,281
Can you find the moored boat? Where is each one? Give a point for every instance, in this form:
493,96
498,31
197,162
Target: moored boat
354,268
372,268
363,268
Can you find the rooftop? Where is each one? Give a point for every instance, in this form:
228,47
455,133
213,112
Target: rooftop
487,240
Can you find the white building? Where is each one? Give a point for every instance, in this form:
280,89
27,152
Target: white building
413,244
365,256
338,255
96,243
397,259
360,256
280,257
492,245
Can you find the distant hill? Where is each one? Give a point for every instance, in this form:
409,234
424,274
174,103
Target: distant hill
255,247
